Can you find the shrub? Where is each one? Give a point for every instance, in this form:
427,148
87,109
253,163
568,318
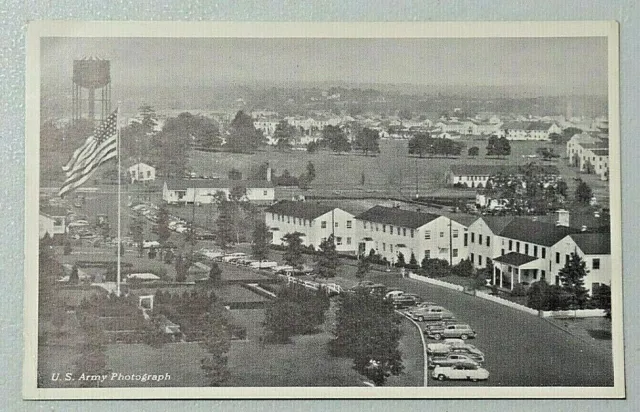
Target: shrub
436,267
519,290
464,268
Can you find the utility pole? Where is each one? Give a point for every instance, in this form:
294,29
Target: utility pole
450,244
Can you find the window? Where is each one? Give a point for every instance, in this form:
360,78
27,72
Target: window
376,227
404,232
480,260
543,274
535,274
595,263
479,238
566,259
544,252
384,228
264,193
391,248
488,240
502,252
466,237
338,241
273,216
455,233
535,251
473,237
348,224
526,248
557,257
364,224
412,233
518,247
427,254
384,247
348,241
441,234
390,229
427,234
510,245
288,219
472,257
323,224
454,253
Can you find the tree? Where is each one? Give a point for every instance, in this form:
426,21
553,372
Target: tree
569,132
137,231
283,135
464,268
538,295
498,146
312,147
583,192
67,247
327,259
561,188
260,172
74,278
311,171
163,224
182,266
420,144
400,260
261,241
367,140
435,267
92,360
367,331
225,226
336,139
364,266
413,262
217,342
555,138
473,151
572,280
235,174
215,274
237,192
293,252
243,136
601,298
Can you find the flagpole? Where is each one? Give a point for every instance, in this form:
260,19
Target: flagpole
119,238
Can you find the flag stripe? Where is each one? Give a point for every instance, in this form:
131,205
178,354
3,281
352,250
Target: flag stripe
96,150
71,184
81,164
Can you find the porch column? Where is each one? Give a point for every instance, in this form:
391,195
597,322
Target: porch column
501,275
519,279
493,276
511,286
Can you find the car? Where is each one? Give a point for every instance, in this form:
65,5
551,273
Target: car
234,256
459,330
425,304
470,351
471,372
430,313
392,294
403,301
450,359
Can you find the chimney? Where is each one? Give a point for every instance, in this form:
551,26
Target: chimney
563,218
268,174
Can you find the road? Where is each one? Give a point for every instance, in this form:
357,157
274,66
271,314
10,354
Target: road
520,349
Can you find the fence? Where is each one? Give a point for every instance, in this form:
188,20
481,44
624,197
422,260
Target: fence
506,302
579,313
436,282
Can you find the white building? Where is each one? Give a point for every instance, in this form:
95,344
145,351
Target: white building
479,175
52,220
141,172
390,231
589,153
267,125
204,191
527,130
315,221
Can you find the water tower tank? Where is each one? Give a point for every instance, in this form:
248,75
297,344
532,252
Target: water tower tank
91,88
91,73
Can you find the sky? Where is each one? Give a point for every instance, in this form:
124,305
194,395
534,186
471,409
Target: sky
556,66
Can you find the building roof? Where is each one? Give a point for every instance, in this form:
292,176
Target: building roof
593,243
397,217
215,184
515,259
303,210
53,211
497,223
491,170
539,233
527,125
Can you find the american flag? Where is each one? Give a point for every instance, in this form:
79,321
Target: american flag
97,149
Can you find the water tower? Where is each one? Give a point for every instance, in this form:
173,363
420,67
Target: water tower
91,89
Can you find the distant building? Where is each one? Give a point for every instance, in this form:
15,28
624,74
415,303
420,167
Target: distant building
529,130
204,191
594,249
589,153
52,220
478,175
315,221
390,231
267,125
141,172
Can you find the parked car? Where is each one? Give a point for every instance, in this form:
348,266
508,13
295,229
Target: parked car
470,351
430,313
450,359
392,294
403,301
460,330
471,372
233,256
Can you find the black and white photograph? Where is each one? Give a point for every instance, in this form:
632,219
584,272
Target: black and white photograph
323,210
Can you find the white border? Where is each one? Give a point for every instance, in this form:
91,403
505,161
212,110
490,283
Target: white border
36,30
